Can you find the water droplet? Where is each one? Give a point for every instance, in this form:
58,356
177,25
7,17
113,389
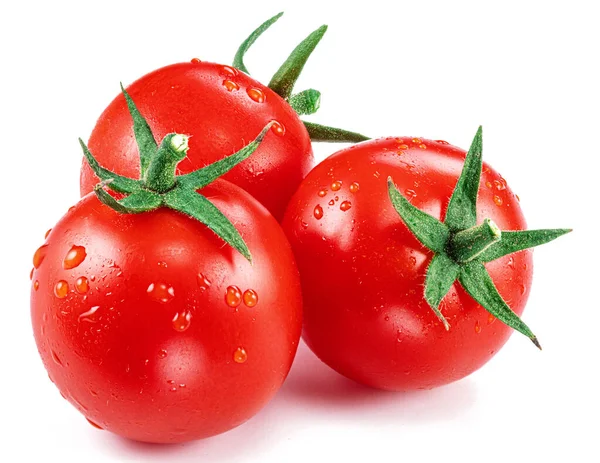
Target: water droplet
230,71
413,260
182,321
256,94
518,199
354,187
230,85
403,147
417,141
82,285
523,289
423,146
97,426
161,292
477,327
278,128
240,355
250,298
87,316
39,255
203,282
497,200
491,319
335,186
233,296
318,212
160,264
511,262
376,174
162,354
410,193
442,142
304,224
399,336
61,289
47,233
500,184
74,257
56,358
345,206
387,318
322,193
488,184
31,274
36,285
331,202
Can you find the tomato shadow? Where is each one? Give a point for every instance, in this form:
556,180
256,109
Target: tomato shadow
314,386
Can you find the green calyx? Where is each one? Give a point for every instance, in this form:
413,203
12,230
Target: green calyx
306,102
461,246
159,186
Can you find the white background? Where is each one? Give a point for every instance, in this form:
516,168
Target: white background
527,71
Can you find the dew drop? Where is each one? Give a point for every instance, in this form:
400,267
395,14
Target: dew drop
87,315
203,282
500,184
354,187
497,200
331,202
518,199
160,264
278,128
304,224
230,85
256,94
74,257
39,255
31,274
410,193
477,327
322,193
335,186
442,142
56,359
423,146
250,298
230,71
417,141
491,319
82,285
162,354
47,233
240,355
36,285
97,426
488,184
61,289
233,296
318,212
403,147
161,292
523,289
182,321
413,260
345,205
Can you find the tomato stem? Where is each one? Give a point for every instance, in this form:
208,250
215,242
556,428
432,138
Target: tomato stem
160,176
466,245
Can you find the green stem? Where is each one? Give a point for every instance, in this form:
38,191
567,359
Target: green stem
160,176
466,245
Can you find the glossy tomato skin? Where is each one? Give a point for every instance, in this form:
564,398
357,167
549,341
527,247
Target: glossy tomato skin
149,346
363,272
222,109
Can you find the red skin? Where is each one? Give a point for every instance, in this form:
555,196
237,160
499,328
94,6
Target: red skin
191,98
112,368
363,272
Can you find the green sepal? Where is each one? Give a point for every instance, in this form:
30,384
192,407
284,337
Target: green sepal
323,133
514,241
462,208
202,177
147,145
198,207
238,60
306,102
118,183
432,233
286,76
476,281
135,203
442,272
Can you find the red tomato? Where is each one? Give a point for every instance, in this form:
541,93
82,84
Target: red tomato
154,328
222,109
363,271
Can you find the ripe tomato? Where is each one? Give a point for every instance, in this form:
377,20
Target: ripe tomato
363,271
222,108
155,329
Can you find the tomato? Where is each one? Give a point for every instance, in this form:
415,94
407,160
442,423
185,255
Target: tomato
221,108
363,270
167,314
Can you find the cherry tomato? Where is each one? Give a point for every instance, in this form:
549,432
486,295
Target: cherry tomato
363,271
154,328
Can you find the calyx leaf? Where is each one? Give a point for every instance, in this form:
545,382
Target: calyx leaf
159,186
461,247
